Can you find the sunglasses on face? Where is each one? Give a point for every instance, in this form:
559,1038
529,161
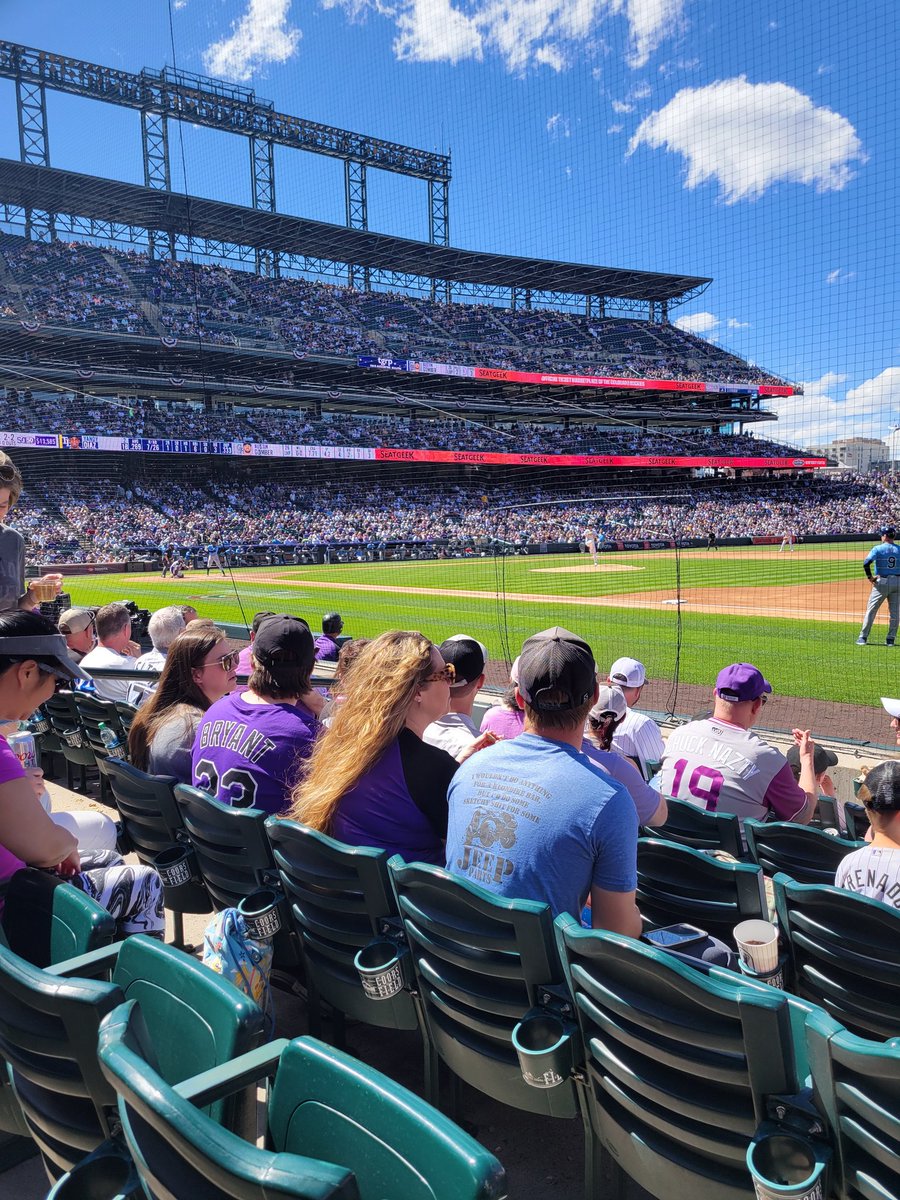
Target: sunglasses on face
447,674
226,662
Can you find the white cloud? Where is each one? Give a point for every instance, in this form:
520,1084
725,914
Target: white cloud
733,323
550,56
749,137
839,275
701,322
614,128
435,31
180,4
822,414
640,92
651,21
621,106
558,126
261,36
523,33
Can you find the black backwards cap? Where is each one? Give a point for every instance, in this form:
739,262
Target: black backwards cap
880,790
556,661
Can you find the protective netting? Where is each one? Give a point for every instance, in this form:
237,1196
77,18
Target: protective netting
336,423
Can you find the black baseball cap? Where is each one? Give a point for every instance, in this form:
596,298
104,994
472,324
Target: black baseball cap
556,660
822,759
880,790
468,656
282,640
888,531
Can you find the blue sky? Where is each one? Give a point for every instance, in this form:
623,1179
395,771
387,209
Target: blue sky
754,142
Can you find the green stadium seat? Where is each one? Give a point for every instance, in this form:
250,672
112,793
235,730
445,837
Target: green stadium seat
677,883
337,1130
826,813
689,825
65,722
340,899
843,953
807,855
857,821
92,713
234,858
856,1085
49,1022
678,1063
152,823
76,925
482,963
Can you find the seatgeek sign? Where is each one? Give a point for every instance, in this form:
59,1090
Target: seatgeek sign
126,445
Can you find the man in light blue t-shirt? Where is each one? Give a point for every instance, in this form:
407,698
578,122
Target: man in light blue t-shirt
534,818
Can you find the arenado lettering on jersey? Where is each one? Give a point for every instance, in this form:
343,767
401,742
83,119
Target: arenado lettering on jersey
233,735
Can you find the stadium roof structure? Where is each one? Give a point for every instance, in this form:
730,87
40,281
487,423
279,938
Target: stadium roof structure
89,198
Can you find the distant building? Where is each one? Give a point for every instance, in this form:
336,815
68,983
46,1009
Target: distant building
857,453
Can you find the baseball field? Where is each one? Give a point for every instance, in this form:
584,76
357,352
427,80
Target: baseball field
795,615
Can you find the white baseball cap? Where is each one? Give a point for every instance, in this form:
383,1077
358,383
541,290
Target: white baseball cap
609,700
891,706
627,672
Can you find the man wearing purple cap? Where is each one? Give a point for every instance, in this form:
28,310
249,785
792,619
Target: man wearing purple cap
721,765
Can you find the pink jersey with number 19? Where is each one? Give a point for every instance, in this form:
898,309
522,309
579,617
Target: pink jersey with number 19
724,768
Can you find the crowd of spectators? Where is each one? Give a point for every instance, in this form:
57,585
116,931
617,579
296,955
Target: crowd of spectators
109,520
80,414
78,284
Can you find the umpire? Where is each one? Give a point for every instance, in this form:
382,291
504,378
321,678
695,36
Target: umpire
885,558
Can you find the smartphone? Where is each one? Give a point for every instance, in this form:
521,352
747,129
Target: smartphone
672,937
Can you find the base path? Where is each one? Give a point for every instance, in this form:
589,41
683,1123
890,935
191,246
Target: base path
839,600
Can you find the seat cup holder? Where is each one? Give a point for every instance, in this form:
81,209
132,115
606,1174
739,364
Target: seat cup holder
785,1166
543,1045
381,969
175,866
260,910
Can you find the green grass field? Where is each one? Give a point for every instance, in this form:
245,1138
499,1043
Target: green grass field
808,658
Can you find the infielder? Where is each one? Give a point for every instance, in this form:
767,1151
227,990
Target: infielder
590,540
885,558
788,540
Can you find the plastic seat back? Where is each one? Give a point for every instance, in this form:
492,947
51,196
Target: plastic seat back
66,723
844,953
856,1084
689,825
340,899
339,1131
676,883
152,822
807,855
482,963
233,855
678,1062
857,821
75,924
48,1033
827,814
92,713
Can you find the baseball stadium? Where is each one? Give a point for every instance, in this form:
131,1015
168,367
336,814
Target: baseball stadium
248,366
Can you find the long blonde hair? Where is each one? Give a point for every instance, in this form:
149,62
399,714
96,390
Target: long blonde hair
377,693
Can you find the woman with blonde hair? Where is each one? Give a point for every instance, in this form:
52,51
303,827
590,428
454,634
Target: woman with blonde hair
371,780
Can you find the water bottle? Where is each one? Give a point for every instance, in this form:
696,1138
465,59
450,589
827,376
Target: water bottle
115,747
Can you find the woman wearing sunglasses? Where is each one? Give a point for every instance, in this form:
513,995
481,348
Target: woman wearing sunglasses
371,780
33,659
199,669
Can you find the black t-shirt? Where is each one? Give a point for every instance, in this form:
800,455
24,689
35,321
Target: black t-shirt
427,771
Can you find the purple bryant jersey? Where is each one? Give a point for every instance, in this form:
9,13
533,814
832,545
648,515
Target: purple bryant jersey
246,754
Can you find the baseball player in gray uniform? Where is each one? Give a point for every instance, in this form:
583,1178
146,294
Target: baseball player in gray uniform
882,568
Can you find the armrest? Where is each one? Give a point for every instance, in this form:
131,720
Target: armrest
230,1077
87,964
